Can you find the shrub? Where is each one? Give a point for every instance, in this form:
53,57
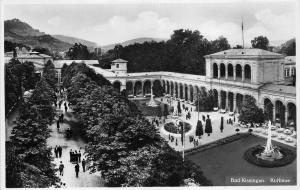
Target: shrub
172,128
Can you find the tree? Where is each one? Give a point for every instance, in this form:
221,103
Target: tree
49,74
288,48
220,44
42,50
199,129
78,52
178,108
250,113
260,42
208,127
222,124
166,111
206,100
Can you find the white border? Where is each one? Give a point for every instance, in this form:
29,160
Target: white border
2,111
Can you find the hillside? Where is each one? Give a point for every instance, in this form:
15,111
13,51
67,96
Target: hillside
17,31
73,40
129,42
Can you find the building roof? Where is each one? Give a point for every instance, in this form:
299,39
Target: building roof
59,63
119,61
245,53
279,88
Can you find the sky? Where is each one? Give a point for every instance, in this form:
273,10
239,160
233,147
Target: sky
114,23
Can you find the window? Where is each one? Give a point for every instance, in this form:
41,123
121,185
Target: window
117,66
287,72
293,71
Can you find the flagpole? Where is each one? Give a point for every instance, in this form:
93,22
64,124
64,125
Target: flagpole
243,33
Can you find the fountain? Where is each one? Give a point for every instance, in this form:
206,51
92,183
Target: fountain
270,152
269,155
152,102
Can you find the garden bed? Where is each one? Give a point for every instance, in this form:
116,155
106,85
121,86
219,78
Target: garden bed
172,128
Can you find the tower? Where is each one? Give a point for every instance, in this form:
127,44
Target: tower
119,66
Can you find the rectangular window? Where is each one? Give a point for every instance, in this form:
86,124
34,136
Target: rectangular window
117,65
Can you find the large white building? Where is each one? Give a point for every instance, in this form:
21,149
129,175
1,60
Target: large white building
230,75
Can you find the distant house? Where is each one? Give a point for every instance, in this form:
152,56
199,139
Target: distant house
289,69
23,55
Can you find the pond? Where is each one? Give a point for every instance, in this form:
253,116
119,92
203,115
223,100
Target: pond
225,163
151,111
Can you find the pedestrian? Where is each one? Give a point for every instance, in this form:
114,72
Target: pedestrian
176,143
71,154
83,165
57,124
64,185
56,151
66,108
62,117
79,156
234,119
169,137
61,169
77,169
59,151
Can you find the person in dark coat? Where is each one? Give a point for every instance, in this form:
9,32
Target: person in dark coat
61,117
79,156
56,151
66,108
61,168
59,151
71,154
57,124
83,165
77,169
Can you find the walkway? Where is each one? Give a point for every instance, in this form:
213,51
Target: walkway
76,142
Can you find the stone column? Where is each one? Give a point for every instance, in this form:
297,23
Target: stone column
243,74
274,113
142,88
219,99
234,72
234,102
219,71
226,72
286,114
189,93
183,92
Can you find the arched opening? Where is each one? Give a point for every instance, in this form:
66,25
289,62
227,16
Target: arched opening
147,87
117,85
216,100
215,70
164,86
129,87
238,72
268,109
239,102
158,90
138,88
279,112
180,91
222,70
223,100
191,93
230,71
247,73
291,115
186,92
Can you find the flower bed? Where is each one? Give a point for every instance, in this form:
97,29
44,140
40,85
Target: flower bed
172,128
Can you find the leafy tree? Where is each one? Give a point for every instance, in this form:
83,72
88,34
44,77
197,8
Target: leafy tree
78,52
179,108
288,48
166,111
206,100
49,74
199,129
250,113
208,127
220,44
260,42
158,90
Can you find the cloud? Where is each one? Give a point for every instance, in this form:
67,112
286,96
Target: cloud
54,21
146,24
